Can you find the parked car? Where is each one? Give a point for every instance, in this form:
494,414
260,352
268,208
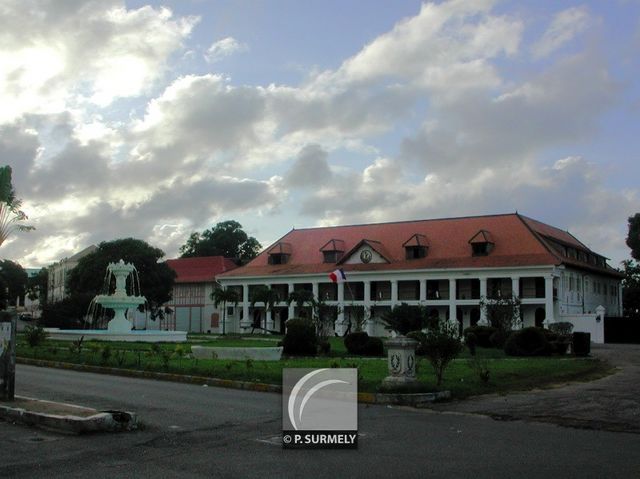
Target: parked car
25,316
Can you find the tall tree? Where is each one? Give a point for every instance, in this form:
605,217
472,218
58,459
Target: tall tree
156,279
224,296
633,238
37,286
631,288
224,239
11,216
13,282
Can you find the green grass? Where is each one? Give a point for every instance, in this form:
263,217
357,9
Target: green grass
506,374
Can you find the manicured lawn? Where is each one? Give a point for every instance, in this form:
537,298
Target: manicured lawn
506,374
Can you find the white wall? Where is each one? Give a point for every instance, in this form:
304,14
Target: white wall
586,323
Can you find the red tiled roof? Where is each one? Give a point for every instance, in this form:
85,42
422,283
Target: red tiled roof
198,270
516,243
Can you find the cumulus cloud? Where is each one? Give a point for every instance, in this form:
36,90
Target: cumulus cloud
223,48
55,55
310,168
563,28
426,120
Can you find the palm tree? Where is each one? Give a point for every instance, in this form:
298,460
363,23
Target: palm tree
10,213
267,296
224,296
301,298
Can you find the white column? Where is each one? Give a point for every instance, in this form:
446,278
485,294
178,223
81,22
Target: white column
339,325
620,312
548,300
452,299
515,286
246,321
483,294
369,323
315,288
394,292
423,290
292,306
515,292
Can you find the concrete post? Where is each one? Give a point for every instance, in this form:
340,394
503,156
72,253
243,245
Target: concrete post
402,364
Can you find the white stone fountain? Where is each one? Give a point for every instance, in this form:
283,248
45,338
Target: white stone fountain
120,301
119,328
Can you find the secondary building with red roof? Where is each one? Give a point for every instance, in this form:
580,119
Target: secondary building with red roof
447,265
191,303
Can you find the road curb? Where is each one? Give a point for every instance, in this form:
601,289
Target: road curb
415,400
97,421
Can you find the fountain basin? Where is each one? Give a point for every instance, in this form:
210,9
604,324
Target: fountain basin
148,336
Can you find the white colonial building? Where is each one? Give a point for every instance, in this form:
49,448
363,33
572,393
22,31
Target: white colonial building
447,265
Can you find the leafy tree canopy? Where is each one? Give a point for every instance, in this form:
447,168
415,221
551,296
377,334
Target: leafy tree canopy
156,279
633,238
224,239
11,215
631,288
13,282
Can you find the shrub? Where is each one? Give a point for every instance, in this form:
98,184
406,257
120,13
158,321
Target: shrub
34,335
361,344
498,339
527,342
562,328
324,347
471,340
66,314
301,339
374,347
356,342
441,347
421,338
480,366
404,318
483,333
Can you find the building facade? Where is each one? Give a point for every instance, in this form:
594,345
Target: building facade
447,265
191,303
58,274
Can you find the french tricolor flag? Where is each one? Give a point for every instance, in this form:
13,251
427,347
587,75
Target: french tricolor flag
338,276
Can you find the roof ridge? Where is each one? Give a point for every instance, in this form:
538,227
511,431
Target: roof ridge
538,236
451,218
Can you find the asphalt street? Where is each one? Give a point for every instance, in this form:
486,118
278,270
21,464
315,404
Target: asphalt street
195,431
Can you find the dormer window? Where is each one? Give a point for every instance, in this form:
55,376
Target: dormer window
333,251
416,247
482,243
279,253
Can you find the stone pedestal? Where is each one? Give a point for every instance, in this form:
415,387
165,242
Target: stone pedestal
402,363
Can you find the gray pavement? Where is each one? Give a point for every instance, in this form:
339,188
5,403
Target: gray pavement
193,431
611,403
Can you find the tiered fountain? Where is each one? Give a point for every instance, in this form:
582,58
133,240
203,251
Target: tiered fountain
119,301
119,328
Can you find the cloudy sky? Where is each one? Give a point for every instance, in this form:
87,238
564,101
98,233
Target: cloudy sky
153,120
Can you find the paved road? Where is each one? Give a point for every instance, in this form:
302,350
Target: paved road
611,403
193,431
